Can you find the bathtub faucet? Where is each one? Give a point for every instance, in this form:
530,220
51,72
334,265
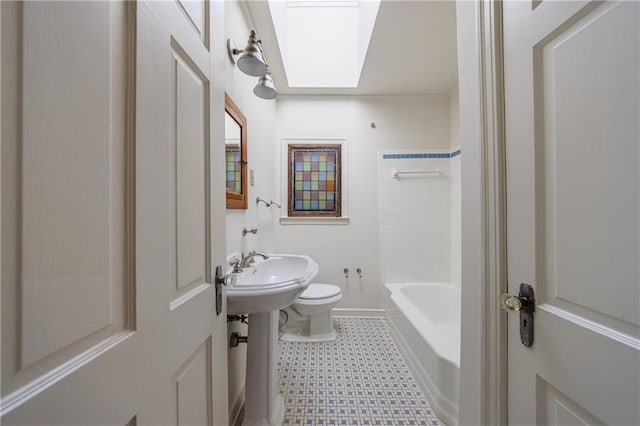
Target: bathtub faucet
246,260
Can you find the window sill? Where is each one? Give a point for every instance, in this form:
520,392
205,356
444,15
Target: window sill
285,220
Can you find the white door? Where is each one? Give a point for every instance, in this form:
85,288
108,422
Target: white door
108,307
572,77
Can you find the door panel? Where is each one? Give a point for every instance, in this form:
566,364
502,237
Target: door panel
190,99
197,13
193,388
65,290
558,410
107,308
591,170
174,210
593,365
71,240
572,102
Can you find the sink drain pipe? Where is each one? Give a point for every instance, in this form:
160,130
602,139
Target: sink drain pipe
283,319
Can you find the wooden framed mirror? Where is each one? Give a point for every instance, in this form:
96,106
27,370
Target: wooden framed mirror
235,139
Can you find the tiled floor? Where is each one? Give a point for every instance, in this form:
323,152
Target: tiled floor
360,379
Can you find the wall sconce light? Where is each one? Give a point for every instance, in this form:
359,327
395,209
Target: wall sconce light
265,88
251,62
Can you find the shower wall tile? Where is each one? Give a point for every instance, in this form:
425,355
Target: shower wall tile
415,219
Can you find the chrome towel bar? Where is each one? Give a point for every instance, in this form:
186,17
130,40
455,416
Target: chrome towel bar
395,173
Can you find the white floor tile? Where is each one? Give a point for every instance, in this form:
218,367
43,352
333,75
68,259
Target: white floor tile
359,379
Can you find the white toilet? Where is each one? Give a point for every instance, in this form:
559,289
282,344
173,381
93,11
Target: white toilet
309,318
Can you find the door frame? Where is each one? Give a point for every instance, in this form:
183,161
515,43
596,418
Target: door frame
489,157
495,195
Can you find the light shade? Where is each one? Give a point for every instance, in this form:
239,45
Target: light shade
250,61
265,88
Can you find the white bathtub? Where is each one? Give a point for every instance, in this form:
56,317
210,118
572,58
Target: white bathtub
425,323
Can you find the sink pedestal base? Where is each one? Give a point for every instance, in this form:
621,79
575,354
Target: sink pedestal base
263,403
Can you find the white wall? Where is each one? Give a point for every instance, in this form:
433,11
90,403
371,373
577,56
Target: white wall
407,122
260,116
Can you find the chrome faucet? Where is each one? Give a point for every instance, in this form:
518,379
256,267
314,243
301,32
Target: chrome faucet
246,260
235,264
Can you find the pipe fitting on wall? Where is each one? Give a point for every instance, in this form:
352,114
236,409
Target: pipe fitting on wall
243,318
236,339
260,200
246,231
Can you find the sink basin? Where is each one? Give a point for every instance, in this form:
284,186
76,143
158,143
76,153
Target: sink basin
260,290
269,285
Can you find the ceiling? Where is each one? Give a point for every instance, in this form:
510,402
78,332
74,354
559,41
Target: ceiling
412,50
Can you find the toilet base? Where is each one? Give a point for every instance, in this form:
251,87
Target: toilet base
313,327
291,336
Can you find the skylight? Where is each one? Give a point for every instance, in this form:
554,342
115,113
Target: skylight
323,42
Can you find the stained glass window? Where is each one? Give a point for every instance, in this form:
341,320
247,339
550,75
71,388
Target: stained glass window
314,180
234,168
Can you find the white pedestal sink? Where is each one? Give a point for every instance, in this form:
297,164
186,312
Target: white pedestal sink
260,291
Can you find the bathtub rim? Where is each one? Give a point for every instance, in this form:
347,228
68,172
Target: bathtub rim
425,327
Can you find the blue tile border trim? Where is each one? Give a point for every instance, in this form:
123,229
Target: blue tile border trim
422,155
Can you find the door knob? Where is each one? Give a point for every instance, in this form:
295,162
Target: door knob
525,303
219,281
510,303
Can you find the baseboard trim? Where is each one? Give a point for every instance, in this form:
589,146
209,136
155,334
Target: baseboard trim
359,313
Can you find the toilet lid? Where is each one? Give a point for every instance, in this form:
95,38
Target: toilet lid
320,291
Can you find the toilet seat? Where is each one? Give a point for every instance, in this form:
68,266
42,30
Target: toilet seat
317,291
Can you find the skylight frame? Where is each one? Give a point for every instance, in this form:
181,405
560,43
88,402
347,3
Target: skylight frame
320,51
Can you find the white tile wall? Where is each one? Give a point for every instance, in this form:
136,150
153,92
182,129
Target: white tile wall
415,221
